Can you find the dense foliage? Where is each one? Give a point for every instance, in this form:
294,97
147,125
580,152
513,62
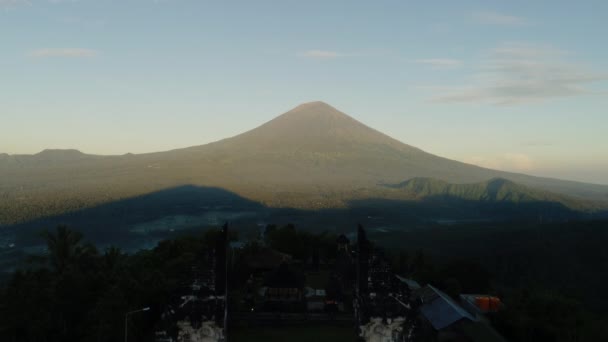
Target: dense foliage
300,244
76,293
551,278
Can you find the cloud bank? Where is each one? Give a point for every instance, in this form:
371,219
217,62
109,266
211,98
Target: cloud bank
521,73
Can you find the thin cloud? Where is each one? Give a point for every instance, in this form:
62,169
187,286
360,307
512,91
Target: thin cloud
440,63
520,50
322,54
14,3
63,52
517,73
5,4
495,18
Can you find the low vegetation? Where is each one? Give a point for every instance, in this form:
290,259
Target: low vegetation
77,293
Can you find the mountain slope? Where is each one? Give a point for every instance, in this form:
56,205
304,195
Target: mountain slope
316,143
493,190
313,156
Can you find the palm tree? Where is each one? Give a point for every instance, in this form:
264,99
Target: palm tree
113,257
64,247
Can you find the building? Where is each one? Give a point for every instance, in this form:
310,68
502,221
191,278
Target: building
199,312
444,319
411,284
315,299
343,243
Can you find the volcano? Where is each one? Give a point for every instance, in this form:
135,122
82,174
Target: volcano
311,157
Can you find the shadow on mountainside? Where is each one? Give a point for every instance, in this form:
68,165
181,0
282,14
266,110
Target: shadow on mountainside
481,229
185,206
197,206
443,208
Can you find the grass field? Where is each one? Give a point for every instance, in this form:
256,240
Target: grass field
300,333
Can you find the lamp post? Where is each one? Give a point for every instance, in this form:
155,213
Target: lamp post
127,319
407,306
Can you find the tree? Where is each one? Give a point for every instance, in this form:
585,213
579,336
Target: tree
65,248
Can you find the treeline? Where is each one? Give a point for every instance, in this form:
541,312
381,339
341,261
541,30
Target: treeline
551,278
300,244
74,292
530,313
22,205
33,198
307,251
77,293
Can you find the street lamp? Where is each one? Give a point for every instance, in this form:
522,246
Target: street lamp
127,319
407,306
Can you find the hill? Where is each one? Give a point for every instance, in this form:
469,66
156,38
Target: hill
311,157
493,190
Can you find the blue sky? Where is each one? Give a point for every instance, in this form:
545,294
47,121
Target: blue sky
513,85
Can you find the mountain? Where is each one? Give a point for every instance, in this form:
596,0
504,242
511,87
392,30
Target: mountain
493,190
311,157
45,158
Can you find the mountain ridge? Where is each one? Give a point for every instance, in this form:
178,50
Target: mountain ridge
313,156
495,189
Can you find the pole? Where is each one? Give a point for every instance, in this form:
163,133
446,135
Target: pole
127,320
226,282
126,326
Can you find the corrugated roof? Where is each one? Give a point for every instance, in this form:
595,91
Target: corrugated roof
442,311
411,283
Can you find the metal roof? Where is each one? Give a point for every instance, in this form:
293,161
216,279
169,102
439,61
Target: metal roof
411,283
442,311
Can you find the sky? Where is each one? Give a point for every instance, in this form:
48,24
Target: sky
513,85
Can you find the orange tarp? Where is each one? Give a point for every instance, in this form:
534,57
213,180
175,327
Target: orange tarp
487,303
